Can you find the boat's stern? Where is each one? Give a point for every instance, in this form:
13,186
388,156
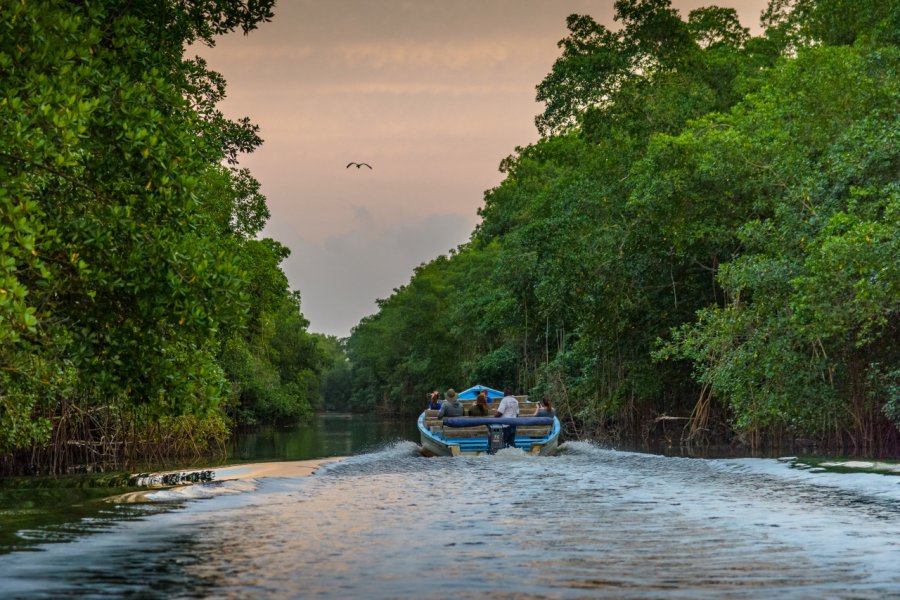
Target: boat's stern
471,435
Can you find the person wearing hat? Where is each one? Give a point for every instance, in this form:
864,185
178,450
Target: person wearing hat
451,407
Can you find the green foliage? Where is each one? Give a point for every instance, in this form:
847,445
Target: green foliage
794,24
709,228
126,248
712,26
274,363
404,351
813,296
652,74
337,381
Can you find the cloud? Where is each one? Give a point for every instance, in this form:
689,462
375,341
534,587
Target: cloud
434,55
362,215
340,278
432,93
402,88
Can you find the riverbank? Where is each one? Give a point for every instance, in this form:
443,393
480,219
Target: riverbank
155,482
834,465
239,478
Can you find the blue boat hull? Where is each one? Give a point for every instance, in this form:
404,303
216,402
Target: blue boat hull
434,444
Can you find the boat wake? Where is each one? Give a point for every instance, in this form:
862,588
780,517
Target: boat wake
199,491
588,521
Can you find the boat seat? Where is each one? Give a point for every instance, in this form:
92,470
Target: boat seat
481,431
432,414
435,422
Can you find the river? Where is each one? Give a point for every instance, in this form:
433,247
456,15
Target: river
387,523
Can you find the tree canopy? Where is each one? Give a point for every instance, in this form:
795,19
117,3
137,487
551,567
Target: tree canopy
705,231
130,272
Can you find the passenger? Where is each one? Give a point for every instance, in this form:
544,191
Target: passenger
434,401
545,409
451,407
479,409
508,408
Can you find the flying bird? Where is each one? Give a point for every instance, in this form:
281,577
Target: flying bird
358,165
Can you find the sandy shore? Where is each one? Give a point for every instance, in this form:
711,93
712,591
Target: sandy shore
292,468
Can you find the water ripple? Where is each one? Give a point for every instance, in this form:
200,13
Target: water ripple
588,522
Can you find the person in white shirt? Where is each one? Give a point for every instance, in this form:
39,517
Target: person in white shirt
509,407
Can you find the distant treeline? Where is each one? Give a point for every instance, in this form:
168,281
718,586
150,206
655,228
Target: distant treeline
708,230
140,316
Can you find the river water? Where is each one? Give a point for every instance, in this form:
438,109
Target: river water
387,523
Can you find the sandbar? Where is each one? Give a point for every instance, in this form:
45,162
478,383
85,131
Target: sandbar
287,468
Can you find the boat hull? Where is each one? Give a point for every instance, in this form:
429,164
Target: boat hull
433,444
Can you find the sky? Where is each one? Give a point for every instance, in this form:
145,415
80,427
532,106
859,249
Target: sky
432,93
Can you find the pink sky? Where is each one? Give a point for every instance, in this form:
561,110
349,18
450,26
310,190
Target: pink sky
432,93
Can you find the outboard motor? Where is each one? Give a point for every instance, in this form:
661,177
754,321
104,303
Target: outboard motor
495,438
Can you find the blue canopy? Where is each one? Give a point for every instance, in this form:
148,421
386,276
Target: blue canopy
472,393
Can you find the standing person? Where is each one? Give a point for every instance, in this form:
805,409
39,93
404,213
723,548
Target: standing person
479,409
451,407
509,408
434,401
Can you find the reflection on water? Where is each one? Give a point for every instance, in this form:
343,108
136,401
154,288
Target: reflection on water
330,434
44,509
56,509
587,523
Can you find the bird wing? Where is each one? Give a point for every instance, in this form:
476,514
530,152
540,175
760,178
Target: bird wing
367,164
350,163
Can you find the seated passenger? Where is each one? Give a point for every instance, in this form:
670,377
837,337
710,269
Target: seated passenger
479,409
451,407
434,401
544,410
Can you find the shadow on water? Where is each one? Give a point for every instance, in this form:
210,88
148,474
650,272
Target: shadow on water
588,522
329,434
663,447
36,510
56,509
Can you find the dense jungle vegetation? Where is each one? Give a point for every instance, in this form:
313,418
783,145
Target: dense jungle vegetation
706,231
140,315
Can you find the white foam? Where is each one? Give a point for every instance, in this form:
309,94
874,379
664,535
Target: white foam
865,483
203,490
390,451
514,454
